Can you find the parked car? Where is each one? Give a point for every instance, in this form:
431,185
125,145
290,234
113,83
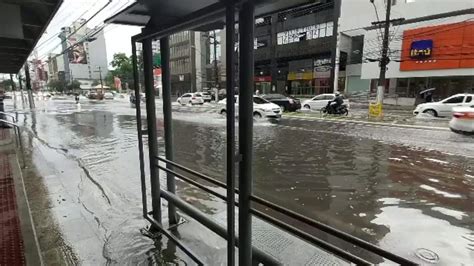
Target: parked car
190,98
320,101
463,120
261,108
444,108
206,96
108,96
287,103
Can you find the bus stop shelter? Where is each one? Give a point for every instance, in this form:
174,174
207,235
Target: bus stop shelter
160,19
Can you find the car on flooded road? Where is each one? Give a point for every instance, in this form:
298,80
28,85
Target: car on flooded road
261,108
462,120
206,96
191,98
320,101
287,103
444,108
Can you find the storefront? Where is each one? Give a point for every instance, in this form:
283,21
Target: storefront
430,54
263,84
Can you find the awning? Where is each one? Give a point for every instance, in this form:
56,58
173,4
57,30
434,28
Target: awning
168,13
23,23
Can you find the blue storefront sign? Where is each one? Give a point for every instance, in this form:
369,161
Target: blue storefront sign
421,49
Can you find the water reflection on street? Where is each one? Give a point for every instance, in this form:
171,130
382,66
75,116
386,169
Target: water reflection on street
405,190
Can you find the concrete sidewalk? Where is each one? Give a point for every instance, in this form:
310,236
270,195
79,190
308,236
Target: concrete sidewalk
18,242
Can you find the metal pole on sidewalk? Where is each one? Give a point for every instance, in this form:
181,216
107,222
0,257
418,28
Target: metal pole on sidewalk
28,86
151,122
20,83
384,60
168,123
138,111
246,28
230,84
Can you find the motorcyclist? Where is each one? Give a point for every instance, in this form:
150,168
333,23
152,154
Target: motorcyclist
337,102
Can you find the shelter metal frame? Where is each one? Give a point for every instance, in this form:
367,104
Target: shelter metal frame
247,254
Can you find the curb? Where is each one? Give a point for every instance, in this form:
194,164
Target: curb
368,123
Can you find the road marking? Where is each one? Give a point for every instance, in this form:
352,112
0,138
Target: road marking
376,124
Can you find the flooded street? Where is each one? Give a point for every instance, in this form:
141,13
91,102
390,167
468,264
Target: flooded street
407,190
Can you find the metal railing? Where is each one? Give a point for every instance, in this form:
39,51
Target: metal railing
16,129
280,224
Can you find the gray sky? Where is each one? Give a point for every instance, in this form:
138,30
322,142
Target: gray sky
117,37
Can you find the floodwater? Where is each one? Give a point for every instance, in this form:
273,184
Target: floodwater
410,191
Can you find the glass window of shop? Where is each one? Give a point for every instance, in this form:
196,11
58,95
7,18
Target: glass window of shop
445,86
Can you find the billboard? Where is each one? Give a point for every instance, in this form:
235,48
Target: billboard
447,46
77,52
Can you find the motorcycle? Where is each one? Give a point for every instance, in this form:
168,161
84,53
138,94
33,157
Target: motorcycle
330,109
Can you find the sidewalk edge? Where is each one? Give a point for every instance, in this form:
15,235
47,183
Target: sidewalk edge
30,238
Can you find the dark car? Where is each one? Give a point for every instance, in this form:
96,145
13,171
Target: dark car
288,103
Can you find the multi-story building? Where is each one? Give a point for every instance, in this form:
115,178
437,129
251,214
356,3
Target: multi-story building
189,57
84,53
432,45
294,49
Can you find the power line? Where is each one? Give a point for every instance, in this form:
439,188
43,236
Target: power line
78,28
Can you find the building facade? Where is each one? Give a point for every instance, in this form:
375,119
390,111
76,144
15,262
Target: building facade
294,50
84,54
432,46
189,57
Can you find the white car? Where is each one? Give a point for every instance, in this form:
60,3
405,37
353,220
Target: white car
261,108
321,100
463,120
108,96
445,107
190,98
206,96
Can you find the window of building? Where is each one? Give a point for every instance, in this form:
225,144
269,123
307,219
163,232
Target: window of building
305,33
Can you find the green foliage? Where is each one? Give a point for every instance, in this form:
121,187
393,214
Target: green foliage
75,85
123,68
7,84
56,85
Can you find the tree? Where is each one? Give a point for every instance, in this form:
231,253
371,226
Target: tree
123,68
7,84
74,85
56,85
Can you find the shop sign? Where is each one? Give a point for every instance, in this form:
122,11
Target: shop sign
421,49
322,72
300,76
263,79
453,48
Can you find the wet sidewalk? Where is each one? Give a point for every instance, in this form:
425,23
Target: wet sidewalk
17,238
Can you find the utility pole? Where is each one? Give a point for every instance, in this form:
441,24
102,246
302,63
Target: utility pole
28,86
384,60
216,70
100,78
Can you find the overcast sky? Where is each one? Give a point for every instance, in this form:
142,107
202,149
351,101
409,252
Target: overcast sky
117,37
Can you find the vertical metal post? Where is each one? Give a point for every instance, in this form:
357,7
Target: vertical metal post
230,84
246,29
168,123
138,112
28,86
151,122
335,50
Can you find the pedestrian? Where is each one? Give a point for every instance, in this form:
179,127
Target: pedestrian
429,96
